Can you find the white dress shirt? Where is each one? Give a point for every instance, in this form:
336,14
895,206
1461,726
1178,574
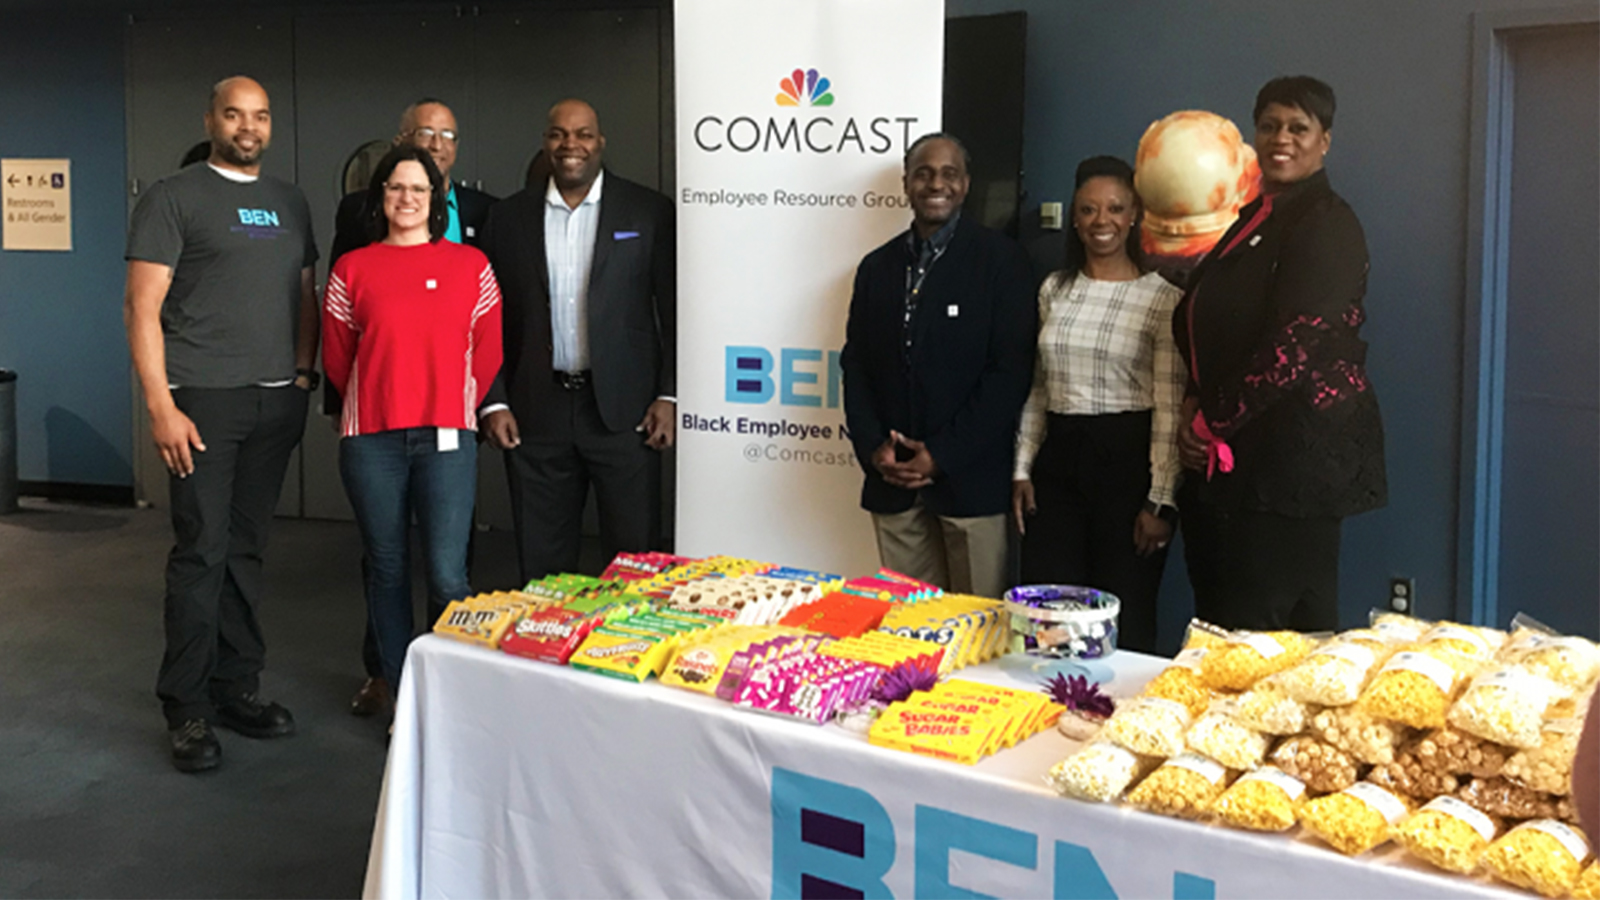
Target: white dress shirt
569,241
569,236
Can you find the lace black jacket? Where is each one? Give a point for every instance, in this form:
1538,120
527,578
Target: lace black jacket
1269,330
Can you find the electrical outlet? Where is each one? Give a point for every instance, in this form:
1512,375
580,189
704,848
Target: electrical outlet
1402,594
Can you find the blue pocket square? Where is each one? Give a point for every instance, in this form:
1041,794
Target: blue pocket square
624,235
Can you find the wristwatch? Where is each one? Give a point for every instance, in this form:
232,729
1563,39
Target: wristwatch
312,377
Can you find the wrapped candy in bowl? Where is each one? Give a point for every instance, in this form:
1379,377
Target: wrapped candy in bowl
1057,621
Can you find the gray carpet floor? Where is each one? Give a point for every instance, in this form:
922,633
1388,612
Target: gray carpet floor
90,805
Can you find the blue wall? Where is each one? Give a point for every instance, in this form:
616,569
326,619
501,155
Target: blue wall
1100,72
61,95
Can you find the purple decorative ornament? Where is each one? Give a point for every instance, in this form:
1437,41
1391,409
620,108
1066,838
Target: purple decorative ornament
905,679
1087,708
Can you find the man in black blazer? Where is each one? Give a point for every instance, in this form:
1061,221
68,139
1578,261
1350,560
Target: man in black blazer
937,362
429,124
586,393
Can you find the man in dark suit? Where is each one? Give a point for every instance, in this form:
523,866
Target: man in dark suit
586,394
937,362
429,124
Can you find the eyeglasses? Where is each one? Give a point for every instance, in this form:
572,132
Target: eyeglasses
416,190
426,135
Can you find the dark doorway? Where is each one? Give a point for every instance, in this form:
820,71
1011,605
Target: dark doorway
984,60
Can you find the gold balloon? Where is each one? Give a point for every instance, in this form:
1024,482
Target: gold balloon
1193,173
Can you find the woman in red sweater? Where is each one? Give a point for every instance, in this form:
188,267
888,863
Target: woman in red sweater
411,327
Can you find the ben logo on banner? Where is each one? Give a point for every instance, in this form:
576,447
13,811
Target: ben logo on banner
837,840
804,88
798,376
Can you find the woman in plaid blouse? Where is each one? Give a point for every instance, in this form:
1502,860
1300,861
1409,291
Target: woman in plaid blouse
1097,455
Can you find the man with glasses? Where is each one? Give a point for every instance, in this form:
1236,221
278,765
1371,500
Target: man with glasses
429,124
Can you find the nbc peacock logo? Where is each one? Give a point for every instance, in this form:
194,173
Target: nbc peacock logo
804,88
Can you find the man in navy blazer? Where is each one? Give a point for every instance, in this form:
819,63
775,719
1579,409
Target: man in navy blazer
937,362
586,394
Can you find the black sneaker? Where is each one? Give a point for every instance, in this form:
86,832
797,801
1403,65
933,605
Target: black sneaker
195,747
250,717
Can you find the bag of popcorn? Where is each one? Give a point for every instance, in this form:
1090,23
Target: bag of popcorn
1543,856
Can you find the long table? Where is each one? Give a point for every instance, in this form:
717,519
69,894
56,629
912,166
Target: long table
513,778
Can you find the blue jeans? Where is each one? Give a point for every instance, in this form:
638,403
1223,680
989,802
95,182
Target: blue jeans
388,477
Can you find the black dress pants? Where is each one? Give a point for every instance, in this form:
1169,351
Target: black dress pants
1090,480
1259,570
550,473
221,514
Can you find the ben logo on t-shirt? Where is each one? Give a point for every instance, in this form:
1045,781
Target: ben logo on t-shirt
259,223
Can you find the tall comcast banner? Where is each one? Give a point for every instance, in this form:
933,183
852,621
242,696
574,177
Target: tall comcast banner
792,119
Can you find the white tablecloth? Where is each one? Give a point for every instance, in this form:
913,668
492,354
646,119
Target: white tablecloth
512,778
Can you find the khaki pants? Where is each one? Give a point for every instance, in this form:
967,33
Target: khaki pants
961,555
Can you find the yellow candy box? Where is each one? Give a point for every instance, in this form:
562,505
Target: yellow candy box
619,653
484,619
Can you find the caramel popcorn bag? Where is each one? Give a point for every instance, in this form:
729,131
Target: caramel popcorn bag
1453,751
1506,798
1364,737
1548,767
1323,767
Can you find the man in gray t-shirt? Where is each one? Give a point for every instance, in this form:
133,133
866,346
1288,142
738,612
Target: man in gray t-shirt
222,322
236,250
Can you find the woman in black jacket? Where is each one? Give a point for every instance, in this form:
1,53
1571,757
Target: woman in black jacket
1282,433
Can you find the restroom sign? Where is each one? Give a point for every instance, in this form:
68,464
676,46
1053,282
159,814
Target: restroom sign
37,198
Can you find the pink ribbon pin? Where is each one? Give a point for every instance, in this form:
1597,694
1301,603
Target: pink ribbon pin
1218,454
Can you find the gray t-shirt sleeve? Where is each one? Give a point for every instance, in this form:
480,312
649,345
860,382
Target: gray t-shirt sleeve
156,232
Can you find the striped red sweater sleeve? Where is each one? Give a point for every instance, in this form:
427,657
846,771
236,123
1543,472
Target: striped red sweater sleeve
411,336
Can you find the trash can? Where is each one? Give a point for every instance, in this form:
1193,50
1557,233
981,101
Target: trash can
8,441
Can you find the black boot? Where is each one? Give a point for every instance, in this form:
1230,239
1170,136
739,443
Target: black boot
195,747
250,717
